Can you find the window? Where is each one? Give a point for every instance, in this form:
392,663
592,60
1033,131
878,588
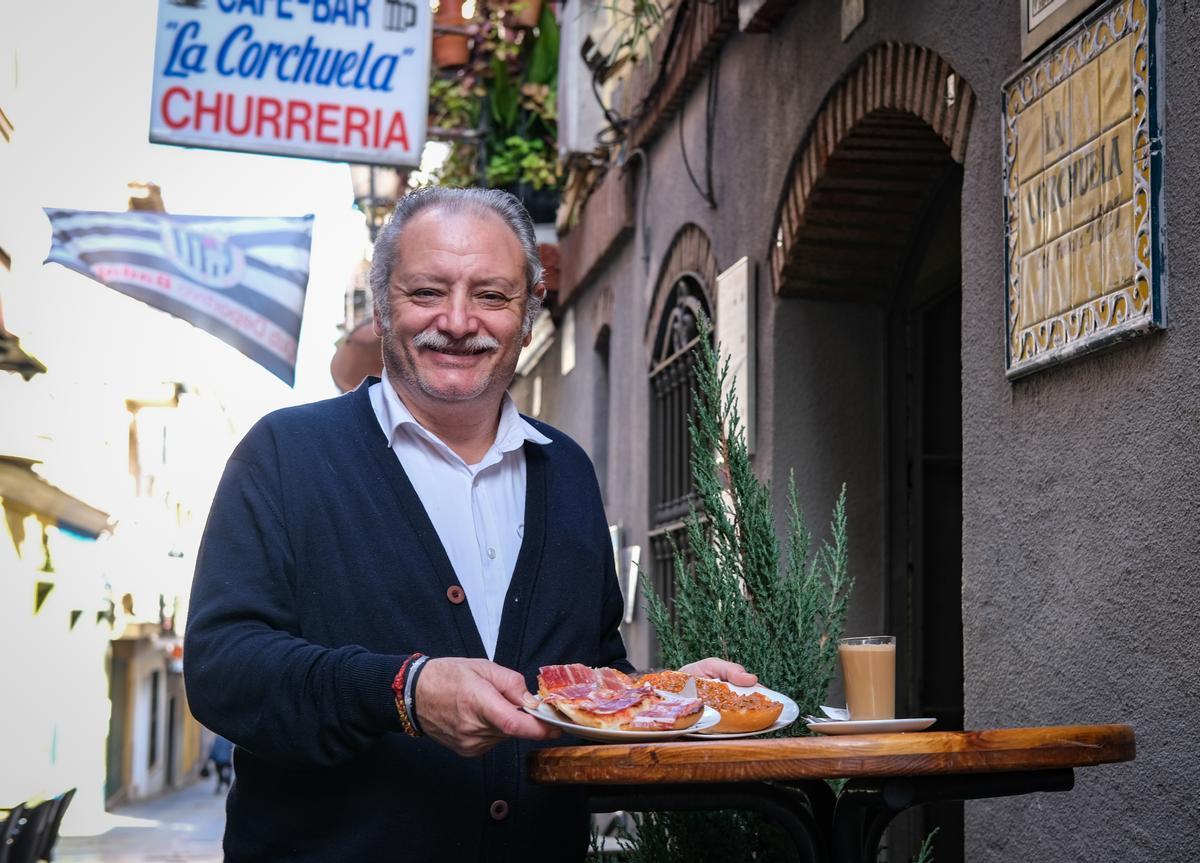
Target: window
672,379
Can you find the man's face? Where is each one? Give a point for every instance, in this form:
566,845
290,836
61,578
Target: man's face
457,296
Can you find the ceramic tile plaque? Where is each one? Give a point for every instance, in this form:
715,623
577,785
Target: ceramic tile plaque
1082,183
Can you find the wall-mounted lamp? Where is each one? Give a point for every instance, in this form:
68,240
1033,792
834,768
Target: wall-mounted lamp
376,190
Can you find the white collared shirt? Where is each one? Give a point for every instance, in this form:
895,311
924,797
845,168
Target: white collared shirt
478,510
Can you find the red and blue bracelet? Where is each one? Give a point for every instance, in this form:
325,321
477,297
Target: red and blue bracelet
403,688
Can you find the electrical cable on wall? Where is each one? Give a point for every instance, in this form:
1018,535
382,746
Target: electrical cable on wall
710,115
614,133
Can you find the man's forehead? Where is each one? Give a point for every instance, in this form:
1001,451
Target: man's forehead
470,242
440,218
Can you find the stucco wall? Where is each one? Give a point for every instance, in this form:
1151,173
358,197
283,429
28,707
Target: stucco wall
571,403
829,430
1081,514
1081,560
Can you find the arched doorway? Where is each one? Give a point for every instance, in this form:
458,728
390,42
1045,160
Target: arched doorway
871,215
683,295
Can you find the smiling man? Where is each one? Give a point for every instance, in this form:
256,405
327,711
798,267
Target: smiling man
454,312
383,573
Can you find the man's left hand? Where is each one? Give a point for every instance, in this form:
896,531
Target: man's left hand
721,669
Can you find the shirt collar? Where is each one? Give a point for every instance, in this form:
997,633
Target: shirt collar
511,432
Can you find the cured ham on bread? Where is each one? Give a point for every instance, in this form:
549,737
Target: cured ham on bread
608,698
553,678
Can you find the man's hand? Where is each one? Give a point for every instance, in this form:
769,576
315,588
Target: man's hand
721,669
470,705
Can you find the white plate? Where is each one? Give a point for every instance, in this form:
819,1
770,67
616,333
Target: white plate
787,716
871,726
548,714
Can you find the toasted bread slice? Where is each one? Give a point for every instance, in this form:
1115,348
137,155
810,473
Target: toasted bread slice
739,712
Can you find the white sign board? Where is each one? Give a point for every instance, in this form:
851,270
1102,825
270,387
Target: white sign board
344,80
735,335
630,568
567,342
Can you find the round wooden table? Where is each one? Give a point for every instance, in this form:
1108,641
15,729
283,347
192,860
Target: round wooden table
888,773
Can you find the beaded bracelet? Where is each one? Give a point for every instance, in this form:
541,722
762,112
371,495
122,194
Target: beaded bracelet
410,692
398,685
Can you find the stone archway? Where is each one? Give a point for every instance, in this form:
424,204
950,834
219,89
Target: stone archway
874,156
868,225
690,253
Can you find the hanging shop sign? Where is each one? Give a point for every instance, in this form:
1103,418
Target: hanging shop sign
1083,183
344,80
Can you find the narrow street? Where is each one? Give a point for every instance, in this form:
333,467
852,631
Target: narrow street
179,827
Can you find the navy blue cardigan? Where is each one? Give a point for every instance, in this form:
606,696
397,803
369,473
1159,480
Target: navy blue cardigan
318,573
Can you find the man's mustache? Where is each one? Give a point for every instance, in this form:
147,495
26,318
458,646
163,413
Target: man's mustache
436,341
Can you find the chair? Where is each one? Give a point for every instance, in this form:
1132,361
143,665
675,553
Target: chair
28,831
7,830
53,823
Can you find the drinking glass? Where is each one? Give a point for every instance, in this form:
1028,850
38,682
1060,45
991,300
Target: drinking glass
869,675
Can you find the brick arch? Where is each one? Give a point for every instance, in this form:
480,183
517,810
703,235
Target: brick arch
885,139
690,252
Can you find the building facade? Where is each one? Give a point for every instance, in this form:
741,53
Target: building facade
840,187
101,492
94,603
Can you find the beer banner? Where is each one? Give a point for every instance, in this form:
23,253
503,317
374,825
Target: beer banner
241,279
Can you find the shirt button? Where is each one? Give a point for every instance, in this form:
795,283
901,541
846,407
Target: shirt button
498,810
491,554
455,594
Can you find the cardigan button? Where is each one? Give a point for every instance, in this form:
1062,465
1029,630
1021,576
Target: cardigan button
455,594
498,810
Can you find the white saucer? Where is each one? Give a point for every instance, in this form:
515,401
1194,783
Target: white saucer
871,726
549,715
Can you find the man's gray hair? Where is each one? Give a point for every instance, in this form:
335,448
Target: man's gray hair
452,200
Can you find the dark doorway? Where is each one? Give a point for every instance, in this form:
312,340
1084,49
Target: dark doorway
118,692
601,400
172,723
926,503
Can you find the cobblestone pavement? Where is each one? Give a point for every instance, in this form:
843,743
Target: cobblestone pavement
178,827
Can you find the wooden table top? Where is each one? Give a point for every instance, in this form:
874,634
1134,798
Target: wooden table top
830,757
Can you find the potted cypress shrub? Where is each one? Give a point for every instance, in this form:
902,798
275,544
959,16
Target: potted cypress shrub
737,595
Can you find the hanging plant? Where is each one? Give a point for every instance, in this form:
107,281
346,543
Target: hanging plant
635,24
521,161
454,103
525,13
450,49
508,93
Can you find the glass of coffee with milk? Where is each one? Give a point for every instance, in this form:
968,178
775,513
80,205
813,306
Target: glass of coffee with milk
869,676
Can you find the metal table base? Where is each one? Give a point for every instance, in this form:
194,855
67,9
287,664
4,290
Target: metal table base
822,828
